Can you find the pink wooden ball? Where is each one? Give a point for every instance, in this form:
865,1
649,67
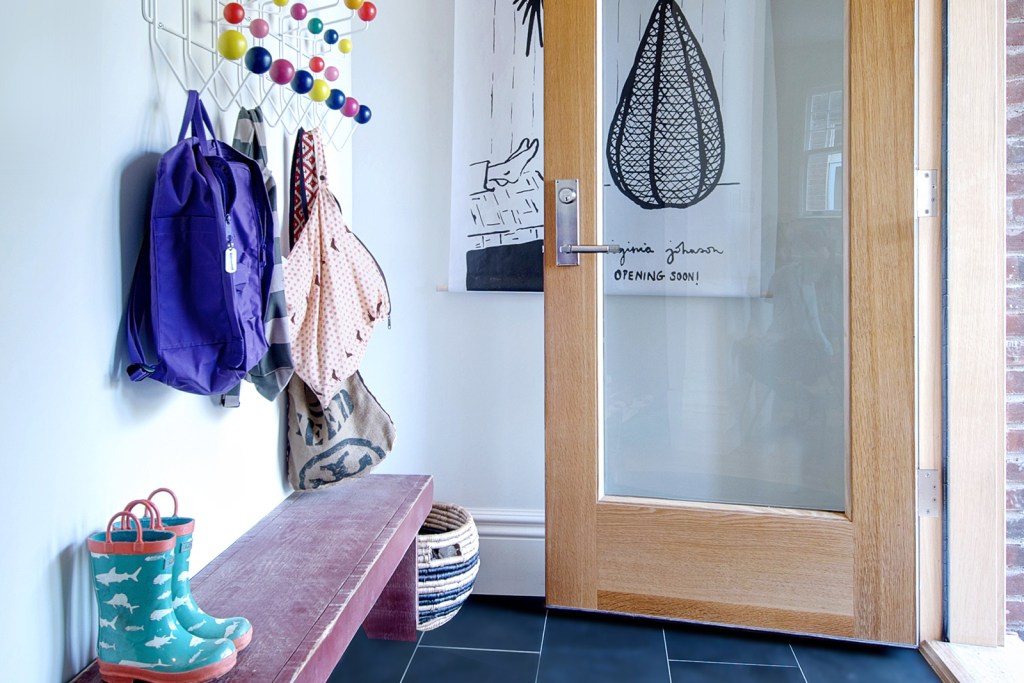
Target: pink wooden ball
282,71
351,107
332,73
299,11
259,28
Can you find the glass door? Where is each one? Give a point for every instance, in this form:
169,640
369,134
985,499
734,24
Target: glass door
730,394
725,342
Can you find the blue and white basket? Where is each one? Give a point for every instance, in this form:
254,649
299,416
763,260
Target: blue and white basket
447,560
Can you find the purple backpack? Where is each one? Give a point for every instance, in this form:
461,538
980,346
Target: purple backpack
202,279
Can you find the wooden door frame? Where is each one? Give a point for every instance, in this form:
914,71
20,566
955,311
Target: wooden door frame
975,319
930,88
976,322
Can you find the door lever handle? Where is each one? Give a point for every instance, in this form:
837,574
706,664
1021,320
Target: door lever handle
567,226
590,249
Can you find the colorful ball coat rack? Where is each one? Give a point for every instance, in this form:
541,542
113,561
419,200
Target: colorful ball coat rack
281,55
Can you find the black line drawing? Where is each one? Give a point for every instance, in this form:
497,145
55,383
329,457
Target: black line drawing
666,143
533,15
506,254
497,177
501,173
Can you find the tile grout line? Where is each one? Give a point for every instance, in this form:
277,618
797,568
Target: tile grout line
409,663
479,649
711,661
540,651
798,665
668,660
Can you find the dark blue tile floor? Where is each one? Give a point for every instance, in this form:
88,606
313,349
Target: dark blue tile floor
516,640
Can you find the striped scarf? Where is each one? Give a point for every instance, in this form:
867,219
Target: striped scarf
271,374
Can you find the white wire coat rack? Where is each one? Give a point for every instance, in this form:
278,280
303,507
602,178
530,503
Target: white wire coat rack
185,34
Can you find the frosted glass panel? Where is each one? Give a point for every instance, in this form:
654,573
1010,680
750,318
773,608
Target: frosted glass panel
725,344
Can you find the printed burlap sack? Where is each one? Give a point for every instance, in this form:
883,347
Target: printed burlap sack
338,439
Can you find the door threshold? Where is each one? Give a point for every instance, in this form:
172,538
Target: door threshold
955,663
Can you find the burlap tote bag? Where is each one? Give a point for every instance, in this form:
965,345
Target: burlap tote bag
339,439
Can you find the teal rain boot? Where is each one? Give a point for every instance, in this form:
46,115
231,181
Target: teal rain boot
139,637
195,620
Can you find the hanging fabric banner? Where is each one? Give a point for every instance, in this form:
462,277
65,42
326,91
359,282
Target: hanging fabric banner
690,193
497,217
684,102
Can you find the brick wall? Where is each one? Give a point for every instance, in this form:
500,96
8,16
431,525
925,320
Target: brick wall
1015,315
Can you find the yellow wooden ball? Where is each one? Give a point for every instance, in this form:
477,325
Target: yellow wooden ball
321,90
345,46
353,4
232,44
280,3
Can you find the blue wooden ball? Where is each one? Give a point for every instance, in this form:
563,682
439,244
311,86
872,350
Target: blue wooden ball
331,36
258,60
302,82
364,114
336,100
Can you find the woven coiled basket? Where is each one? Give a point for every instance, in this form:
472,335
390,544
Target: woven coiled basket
447,560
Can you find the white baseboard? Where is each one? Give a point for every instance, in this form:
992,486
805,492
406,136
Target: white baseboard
511,551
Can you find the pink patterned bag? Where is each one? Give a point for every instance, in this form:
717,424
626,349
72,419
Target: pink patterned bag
335,290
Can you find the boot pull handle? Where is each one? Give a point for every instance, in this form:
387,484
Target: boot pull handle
173,497
125,518
156,523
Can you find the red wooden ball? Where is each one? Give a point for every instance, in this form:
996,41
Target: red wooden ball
234,13
367,11
316,64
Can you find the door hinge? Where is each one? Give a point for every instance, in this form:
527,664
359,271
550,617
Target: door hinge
929,493
926,193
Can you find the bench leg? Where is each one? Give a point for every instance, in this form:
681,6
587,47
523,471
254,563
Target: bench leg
394,615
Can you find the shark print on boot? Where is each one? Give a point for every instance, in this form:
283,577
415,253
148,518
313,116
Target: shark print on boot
195,620
138,637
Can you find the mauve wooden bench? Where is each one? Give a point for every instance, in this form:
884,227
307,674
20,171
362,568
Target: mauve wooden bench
321,564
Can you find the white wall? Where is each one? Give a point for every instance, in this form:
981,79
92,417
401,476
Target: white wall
461,374
81,121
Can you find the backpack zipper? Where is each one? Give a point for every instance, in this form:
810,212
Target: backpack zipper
230,254
219,189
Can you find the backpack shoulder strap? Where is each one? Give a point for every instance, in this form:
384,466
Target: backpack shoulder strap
139,300
196,116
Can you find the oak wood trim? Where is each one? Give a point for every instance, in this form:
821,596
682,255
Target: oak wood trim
759,564
705,506
707,612
929,321
976,318
570,309
882,412
954,663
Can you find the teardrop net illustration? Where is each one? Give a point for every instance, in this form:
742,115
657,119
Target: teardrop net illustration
666,145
